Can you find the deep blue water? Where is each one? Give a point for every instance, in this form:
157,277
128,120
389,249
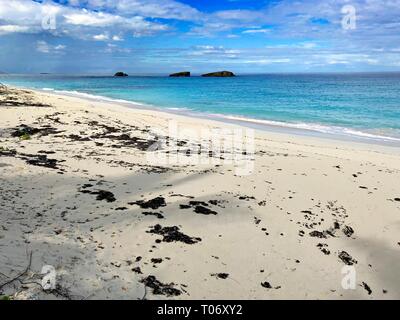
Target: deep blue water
353,104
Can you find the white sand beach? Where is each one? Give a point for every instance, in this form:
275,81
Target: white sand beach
78,193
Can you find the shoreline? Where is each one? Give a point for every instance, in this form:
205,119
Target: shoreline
313,130
80,194
286,135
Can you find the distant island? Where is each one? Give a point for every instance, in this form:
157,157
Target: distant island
120,74
186,74
219,74
180,74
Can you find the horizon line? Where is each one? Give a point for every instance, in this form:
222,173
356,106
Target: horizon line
111,74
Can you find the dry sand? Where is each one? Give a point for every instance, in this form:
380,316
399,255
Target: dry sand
76,196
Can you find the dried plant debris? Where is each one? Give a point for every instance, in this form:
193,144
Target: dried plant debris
156,260
104,195
267,285
346,258
220,275
204,210
172,234
13,98
101,194
317,234
161,288
40,160
23,130
200,207
348,231
155,214
150,204
367,288
137,270
4,152
324,248
124,139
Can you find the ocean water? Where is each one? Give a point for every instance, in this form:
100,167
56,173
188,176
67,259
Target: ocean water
366,106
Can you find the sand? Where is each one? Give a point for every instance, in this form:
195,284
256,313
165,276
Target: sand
80,195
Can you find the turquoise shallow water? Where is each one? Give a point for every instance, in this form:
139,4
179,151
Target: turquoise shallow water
363,105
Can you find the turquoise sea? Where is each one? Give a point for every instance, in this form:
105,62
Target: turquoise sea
360,105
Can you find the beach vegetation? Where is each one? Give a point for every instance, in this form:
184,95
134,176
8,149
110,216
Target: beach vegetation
25,136
5,297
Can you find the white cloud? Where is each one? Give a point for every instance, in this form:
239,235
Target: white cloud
23,16
117,38
267,61
166,9
44,47
101,37
241,15
114,49
14,29
253,31
60,47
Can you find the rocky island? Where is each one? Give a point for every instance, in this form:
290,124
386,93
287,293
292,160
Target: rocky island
221,74
120,74
180,74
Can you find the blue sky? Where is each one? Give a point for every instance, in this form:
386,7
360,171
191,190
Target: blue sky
162,36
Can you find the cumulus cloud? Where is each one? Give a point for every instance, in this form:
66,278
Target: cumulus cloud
166,9
6,29
26,16
101,37
285,33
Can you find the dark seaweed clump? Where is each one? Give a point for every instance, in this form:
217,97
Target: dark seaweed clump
346,258
150,204
171,234
101,195
161,288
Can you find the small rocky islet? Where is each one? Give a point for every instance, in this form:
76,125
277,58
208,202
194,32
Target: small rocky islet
187,74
